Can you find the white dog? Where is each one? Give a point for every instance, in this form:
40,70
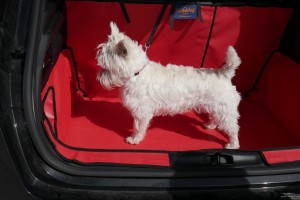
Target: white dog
150,89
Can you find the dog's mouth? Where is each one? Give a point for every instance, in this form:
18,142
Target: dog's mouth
108,80
101,73
104,78
100,46
99,49
99,55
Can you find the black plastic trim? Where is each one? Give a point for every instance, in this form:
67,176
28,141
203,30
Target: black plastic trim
200,159
53,37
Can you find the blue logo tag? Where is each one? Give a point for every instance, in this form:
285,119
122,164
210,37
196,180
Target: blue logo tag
185,11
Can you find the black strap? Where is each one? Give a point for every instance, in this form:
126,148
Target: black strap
199,11
161,14
124,10
172,16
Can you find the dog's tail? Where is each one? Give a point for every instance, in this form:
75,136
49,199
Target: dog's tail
231,63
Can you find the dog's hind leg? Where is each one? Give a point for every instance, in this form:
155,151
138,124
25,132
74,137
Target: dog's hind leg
228,122
232,132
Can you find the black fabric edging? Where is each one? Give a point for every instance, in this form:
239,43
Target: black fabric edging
170,153
55,133
76,72
152,34
51,89
92,163
254,87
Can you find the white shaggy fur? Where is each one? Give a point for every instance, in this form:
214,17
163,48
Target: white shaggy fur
150,89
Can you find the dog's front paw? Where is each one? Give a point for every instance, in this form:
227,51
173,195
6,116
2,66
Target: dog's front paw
232,146
133,140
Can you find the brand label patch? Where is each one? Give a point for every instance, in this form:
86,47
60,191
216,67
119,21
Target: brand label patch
185,11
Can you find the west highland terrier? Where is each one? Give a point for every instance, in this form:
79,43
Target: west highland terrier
149,89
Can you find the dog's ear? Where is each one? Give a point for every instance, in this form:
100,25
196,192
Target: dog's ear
114,28
121,49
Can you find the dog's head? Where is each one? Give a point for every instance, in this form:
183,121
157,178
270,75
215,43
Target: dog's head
120,58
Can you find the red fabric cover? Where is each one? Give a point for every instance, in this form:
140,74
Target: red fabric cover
259,129
63,80
278,86
103,123
100,121
254,32
133,158
88,25
280,92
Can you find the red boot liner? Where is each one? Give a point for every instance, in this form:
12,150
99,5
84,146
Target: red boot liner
93,129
